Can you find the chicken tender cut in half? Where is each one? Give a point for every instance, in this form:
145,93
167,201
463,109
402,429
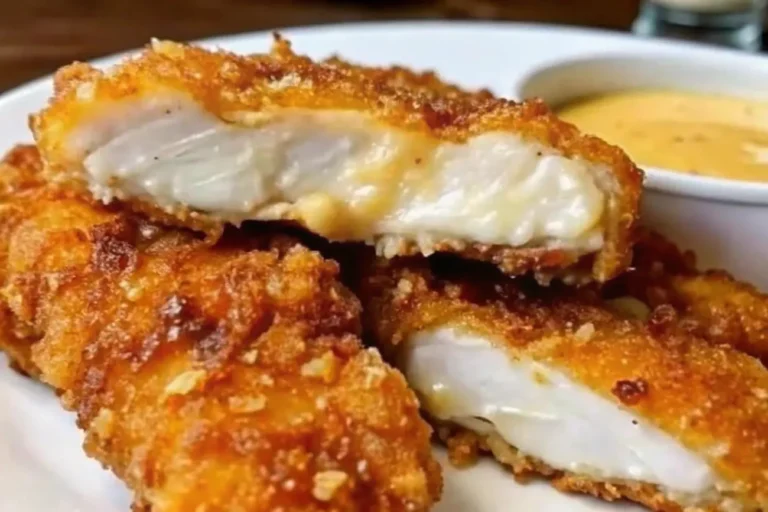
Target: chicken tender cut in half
552,382
709,303
209,378
386,156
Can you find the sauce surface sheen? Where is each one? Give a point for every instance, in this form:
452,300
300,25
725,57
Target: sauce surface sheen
694,133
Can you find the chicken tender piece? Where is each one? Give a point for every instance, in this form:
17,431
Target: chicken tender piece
553,383
711,304
385,156
211,378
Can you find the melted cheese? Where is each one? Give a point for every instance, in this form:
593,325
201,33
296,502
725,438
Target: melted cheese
341,173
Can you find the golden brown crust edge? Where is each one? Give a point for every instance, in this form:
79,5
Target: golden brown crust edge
224,82
713,399
16,344
711,304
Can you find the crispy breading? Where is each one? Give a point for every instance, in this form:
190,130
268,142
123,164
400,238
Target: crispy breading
19,171
216,378
701,394
710,303
224,83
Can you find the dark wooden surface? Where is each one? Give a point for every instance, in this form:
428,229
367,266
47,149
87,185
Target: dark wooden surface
37,36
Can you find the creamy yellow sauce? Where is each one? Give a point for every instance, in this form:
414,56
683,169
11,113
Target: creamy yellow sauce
720,136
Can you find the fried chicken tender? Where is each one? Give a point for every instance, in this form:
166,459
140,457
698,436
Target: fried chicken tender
385,156
553,382
711,304
209,378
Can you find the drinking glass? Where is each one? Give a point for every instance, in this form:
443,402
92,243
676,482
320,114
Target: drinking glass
734,23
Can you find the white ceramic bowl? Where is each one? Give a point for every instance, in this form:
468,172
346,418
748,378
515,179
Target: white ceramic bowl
724,221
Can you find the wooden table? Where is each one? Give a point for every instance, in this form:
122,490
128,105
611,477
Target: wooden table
37,36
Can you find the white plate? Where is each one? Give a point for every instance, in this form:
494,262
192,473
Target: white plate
41,465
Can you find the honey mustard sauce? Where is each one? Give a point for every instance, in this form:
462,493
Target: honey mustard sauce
694,133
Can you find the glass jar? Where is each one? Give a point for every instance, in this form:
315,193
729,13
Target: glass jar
734,23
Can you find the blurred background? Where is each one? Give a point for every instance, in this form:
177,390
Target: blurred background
37,36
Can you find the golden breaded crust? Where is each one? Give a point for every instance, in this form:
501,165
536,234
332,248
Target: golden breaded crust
19,171
465,445
713,399
211,378
511,260
711,304
224,83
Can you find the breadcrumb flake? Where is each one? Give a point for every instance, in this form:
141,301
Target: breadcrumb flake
247,404
585,331
324,367
266,380
185,382
327,483
373,375
103,424
251,356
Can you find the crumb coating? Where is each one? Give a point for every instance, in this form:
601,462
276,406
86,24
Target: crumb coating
709,303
